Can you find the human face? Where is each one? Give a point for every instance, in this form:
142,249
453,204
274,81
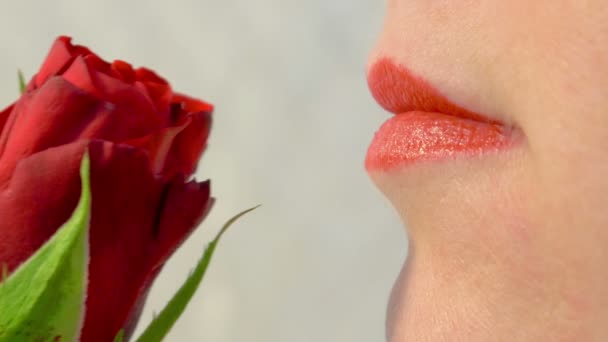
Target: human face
506,210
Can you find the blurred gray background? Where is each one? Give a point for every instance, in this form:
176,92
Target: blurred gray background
292,123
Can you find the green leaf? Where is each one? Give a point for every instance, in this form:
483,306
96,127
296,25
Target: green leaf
160,326
120,337
43,299
21,81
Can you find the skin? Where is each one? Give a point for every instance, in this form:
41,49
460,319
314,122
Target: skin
511,246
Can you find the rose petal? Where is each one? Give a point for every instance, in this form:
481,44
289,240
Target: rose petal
188,145
138,306
40,197
78,74
124,71
59,55
158,88
128,231
50,116
89,75
158,145
59,113
126,199
96,63
131,100
191,105
160,95
186,205
106,82
146,75
3,119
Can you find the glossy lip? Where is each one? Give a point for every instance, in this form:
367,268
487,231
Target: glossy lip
427,127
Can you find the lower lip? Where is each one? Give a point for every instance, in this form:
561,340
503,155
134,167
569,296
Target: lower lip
414,137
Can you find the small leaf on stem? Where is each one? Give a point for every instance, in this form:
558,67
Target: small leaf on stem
21,81
163,322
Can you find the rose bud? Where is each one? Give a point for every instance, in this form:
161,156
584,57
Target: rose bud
144,143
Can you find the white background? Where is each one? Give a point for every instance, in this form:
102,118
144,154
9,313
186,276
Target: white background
293,120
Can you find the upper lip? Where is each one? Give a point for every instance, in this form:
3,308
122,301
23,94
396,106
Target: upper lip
398,90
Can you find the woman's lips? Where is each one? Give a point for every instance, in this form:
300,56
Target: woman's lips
427,125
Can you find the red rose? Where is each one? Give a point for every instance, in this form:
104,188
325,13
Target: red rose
144,142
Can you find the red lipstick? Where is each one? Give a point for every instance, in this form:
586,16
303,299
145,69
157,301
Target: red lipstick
427,127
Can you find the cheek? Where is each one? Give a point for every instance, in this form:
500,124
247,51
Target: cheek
551,73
